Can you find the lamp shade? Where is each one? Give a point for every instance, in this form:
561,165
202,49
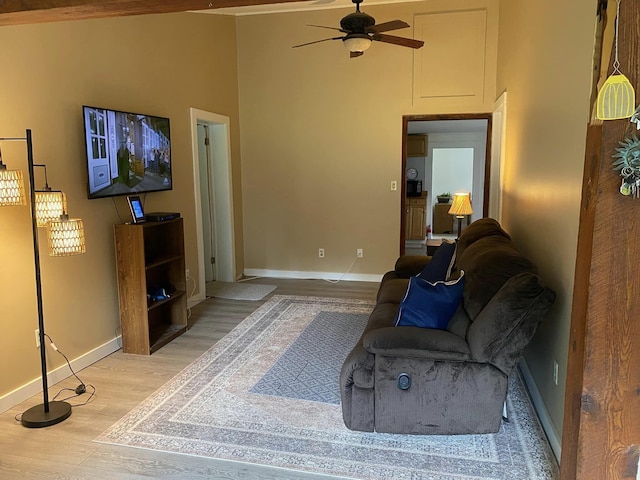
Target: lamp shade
66,237
50,205
11,187
357,42
461,205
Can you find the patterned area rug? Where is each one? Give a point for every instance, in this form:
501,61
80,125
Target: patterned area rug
238,291
267,393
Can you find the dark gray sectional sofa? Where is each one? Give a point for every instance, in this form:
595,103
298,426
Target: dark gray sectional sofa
432,381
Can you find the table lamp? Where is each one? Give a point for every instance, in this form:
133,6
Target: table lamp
460,207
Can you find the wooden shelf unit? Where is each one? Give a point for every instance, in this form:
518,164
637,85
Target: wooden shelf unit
150,255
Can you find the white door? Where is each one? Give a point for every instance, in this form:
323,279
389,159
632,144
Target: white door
97,149
207,199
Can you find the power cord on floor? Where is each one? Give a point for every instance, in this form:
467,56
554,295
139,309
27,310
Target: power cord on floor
247,279
80,389
193,291
118,336
344,274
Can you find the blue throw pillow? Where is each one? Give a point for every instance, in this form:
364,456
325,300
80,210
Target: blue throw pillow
439,267
429,305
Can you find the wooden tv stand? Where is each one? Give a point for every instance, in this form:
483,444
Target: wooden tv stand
150,255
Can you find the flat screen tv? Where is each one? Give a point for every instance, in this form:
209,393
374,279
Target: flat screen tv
127,153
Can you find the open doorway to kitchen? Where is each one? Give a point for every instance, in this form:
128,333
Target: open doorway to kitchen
442,154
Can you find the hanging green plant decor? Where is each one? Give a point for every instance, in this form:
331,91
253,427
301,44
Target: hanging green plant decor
627,160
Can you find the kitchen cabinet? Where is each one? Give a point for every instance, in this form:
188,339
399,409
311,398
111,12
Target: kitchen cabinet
416,218
416,145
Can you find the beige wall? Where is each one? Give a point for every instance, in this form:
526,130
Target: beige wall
322,138
157,64
544,63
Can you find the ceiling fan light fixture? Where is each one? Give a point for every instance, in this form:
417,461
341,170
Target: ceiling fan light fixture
357,42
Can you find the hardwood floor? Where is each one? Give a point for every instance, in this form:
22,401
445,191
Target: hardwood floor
122,381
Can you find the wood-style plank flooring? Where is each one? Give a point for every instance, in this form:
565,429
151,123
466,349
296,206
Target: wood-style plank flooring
122,381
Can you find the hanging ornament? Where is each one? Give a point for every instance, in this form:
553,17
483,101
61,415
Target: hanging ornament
617,98
627,160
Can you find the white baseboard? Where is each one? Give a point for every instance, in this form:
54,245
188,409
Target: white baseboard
34,387
541,409
352,277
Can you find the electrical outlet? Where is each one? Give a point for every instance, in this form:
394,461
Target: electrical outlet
394,185
555,372
187,273
359,253
321,252
37,338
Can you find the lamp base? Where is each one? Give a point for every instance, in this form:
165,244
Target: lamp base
459,227
36,417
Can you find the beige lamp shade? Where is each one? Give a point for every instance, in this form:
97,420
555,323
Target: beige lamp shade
461,205
11,187
66,237
50,205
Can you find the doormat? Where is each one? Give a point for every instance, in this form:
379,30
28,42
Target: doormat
238,291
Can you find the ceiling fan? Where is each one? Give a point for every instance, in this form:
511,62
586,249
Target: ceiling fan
361,30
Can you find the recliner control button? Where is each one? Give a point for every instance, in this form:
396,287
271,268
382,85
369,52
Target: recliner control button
404,381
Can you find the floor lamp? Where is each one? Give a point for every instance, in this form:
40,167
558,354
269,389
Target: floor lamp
460,207
65,237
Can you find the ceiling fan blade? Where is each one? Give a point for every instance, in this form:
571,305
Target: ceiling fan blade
388,26
330,28
355,54
317,41
404,42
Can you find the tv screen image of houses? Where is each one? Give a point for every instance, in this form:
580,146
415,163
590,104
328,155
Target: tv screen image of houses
127,153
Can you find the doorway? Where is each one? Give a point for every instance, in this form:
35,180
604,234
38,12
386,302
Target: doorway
455,158
213,199
207,202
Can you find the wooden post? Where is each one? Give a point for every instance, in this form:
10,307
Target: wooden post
601,433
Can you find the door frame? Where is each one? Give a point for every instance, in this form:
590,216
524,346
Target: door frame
487,164
219,128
